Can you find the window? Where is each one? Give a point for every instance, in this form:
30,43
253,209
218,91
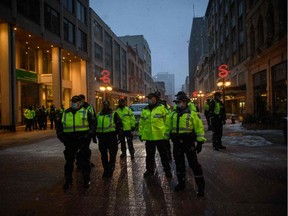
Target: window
260,32
98,31
52,20
260,94
81,12
69,5
47,62
82,40
279,89
252,40
108,52
69,31
30,9
98,52
270,24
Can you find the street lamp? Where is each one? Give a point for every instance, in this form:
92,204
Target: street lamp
104,89
223,83
200,95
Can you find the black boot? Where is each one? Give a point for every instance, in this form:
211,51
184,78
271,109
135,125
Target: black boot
181,183
67,184
201,185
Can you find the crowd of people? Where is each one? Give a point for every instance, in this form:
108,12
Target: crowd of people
159,124
36,117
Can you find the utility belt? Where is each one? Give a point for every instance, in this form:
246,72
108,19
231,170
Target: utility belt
183,137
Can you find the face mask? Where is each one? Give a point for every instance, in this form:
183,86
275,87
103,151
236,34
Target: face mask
150,102
74,106
179,105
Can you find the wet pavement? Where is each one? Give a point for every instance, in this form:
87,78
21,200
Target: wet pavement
244,179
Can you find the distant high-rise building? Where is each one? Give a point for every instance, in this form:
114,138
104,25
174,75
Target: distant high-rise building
169,80
197,47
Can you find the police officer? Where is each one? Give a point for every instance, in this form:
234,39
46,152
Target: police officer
152,129
29,117
86,105
75,131
90,109
191,104
207,113
218,119
109,125
128,121
185,127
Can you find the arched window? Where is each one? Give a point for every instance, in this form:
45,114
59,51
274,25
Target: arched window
270,24
282,17
260,32
252,39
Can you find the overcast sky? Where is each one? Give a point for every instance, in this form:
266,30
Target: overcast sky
165,24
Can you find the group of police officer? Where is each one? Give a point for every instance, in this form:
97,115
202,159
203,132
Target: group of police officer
158,124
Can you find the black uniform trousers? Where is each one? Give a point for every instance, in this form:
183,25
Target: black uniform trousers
72,145
108,144
129,136
182,147
150,147
217,128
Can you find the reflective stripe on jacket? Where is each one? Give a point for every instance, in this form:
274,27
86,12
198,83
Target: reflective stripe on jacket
152,123
185,124
75,122
105,123
127,117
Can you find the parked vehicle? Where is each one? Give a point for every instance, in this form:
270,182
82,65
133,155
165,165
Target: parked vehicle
137,109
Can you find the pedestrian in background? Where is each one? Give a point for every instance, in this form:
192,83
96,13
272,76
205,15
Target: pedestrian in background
108,126
152,129
52,116
75,131
29,117
207,113
128,121
184,128
218,119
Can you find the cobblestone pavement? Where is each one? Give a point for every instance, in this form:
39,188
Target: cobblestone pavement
241,180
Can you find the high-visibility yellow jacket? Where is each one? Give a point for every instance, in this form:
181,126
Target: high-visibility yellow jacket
186,123
127,117
29,114
152,123
105,123
74,122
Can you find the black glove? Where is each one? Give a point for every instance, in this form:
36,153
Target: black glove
199,147
140,138
94,139
223,122
132,129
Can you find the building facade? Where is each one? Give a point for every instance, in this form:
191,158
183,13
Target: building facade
44,53
139,43
247,41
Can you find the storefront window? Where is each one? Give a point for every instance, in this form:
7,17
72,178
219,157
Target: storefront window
279,89
260,95
47,62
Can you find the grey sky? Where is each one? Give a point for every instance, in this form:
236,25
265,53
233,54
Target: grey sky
165,24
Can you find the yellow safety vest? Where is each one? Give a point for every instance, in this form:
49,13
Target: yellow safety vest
187,123
105,123
127,117
76,122
152,123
